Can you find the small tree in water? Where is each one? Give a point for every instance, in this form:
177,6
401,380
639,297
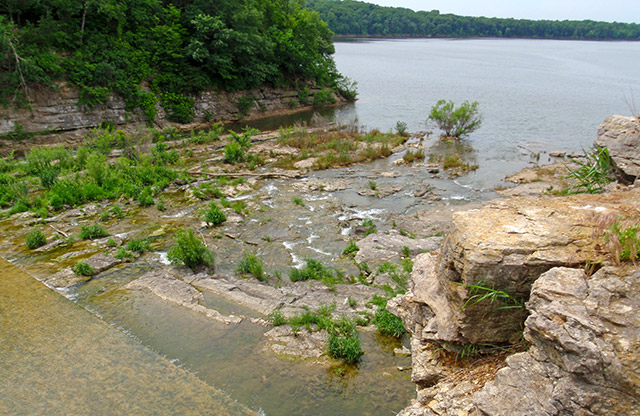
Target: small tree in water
456,122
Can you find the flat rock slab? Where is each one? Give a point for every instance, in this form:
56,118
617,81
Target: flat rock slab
328,185
381,192
66,278
303,344
164,285
381,247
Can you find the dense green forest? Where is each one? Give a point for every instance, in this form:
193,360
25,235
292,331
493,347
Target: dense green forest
348,17
151,51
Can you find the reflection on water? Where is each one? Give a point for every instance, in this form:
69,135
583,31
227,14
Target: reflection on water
56,358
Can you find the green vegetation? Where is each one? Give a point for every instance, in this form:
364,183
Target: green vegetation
35,239
83,269
623,241
251,265
236,150
480,292
410,156
401,128
314,270
190,251
161,51
592,174
387,323
349,17
455,122
344,341
298,201
213,215
124,254
351,248
93,231
369,227
140,245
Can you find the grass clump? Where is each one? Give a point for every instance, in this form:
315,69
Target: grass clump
350,249
593,174
93,231
139,246
124,254
369,227
190,251
35,239
313,270
251,265
410,156
83,269
344,341
298,201
213,215
623,241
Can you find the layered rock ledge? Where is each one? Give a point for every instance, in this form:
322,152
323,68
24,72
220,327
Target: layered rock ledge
582,329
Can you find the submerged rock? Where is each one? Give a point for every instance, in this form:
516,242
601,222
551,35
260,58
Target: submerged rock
380,247
304,344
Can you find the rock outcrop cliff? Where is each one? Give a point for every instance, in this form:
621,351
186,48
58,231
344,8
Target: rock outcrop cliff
60,110
621,136
566,296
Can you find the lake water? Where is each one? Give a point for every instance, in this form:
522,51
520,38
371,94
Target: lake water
535,95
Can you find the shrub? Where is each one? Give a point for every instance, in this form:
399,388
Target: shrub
91,232
623,242
190,251
124,254
35,239
456,122
213,215
322,99
277,318
411,156
251,265
83,269
370,227
244,105
179,107
347,88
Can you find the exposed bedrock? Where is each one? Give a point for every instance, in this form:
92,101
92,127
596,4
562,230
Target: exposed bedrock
621,136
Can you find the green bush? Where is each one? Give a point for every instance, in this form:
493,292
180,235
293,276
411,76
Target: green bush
592,174
351,248
83,269
124,254
322,99
190,251
179,107
213,215
347,88
93,231
401,128
35,239
456,122
251,265
277,318
244,105
313,270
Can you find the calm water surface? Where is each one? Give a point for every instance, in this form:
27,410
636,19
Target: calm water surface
535,95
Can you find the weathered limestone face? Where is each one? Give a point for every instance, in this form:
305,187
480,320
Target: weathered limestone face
621,136
506,246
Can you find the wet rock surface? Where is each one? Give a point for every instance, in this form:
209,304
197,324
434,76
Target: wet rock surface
380,247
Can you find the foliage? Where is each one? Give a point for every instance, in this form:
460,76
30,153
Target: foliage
251,265
479,293
351,248
190,251
350,17
35,239
124,254
347,88
410,156
93,231
213,215
244,105
401,128
387,323
369,227
314,270
235,150
344,341
173,48
592,174
277,318
83,269
623,241
140,245
322,99
298,201
456,122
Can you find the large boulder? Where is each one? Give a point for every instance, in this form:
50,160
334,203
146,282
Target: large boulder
585,349
621,136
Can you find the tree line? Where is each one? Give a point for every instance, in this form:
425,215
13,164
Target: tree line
349,17
150,51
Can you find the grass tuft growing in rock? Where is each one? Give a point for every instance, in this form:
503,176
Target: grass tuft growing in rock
213,215
251,265
83,269
314,270
190,251
35,239
93,231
